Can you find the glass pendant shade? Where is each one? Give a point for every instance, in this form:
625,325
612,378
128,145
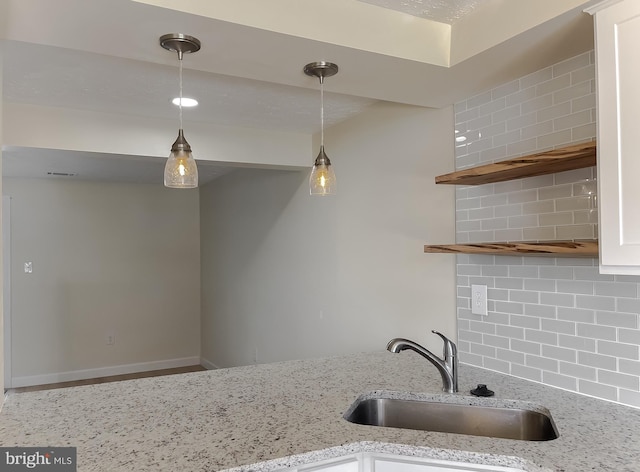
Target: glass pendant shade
322,180
180,170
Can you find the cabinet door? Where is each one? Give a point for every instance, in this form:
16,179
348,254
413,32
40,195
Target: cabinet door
617,26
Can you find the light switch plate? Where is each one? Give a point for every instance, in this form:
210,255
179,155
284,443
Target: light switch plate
479,300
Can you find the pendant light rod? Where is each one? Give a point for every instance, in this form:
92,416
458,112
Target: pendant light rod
321,69
181,44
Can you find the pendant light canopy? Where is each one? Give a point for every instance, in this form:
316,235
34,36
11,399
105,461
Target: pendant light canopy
322,180
180,170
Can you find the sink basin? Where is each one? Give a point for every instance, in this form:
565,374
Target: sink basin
477,420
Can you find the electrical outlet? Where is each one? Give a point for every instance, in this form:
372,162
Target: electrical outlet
110,338
479,300
28,267
255,355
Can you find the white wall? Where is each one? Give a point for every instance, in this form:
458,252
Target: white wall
290,276
2,373
91,131
106,258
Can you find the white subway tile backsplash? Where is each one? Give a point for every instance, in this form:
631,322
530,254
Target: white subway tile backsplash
588,102
524,296
582,75
553,85
528,373
631,336
597,390
541,311
536,130
571,232
508,113
522,121
581,133
579,371
497,365
540,284
596,332
575,342
511,332
524,321
596,302
560,381
628,305
552,320
493,154
492,106
559,353
577,315
572,121
597,360
557,299
572,64
555,219
629,397
542,337
509,235
508,210
520,97
616,379
496,341
536,77
616,349
617,289
555,111
575,91
629,367
575,287
551,140
543,363
536,104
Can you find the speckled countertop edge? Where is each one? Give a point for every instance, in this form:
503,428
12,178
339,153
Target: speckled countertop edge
312,457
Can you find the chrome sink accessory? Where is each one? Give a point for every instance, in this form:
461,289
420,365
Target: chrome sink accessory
448,366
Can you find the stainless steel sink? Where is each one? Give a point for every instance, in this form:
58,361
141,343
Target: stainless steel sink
477,420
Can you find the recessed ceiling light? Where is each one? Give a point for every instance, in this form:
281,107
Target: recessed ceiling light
186,102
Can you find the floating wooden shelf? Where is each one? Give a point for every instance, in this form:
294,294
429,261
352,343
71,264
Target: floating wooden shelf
583,248
572,157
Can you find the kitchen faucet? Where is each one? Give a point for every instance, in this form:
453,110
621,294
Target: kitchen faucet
448,367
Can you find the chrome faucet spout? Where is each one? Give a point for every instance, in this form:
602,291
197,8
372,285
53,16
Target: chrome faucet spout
447,366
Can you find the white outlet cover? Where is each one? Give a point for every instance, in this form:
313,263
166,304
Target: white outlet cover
479,300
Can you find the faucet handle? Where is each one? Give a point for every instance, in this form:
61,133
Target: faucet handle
449,350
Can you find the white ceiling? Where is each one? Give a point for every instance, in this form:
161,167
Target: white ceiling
103,55
445,11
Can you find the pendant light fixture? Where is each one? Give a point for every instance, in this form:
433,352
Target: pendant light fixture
180,170
322,180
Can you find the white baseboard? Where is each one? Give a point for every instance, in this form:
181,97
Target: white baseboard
71,376
207,364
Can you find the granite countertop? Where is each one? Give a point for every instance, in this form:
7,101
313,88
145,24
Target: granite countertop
214,420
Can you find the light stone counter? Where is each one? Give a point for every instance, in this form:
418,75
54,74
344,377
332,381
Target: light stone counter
208,421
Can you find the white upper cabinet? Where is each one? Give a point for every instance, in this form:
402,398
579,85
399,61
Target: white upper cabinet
617,30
